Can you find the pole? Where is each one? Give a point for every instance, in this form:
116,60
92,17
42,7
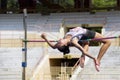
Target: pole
24,55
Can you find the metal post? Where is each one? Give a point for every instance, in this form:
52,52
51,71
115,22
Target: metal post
24,55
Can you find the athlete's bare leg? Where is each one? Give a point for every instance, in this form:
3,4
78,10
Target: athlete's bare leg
103,49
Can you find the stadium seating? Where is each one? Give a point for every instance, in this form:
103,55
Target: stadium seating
11,27
109,70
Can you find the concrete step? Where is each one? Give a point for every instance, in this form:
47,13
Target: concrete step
10,75
109,68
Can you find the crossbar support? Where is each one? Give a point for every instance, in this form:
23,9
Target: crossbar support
24,55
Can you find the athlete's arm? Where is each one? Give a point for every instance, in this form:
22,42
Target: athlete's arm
49,43
77,45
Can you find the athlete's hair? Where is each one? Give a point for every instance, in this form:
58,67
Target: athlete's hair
64,49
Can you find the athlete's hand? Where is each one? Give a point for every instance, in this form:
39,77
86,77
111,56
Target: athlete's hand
43,35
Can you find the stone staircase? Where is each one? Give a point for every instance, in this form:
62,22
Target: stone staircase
10,64
7,74
11,59
110,66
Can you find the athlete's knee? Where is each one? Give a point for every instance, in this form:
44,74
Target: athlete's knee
84,52
108,42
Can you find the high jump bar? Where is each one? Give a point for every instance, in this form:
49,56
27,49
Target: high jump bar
95,39
38,41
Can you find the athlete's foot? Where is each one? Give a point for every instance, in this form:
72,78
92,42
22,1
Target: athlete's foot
82,61
97,65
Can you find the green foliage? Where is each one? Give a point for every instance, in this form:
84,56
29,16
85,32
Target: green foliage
95,3
12,4
104,3
68,4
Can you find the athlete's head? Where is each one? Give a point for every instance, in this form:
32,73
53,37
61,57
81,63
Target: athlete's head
64,49
62,46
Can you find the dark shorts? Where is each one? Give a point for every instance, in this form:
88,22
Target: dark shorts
89,35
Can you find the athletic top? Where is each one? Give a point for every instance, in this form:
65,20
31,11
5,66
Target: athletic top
77,32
